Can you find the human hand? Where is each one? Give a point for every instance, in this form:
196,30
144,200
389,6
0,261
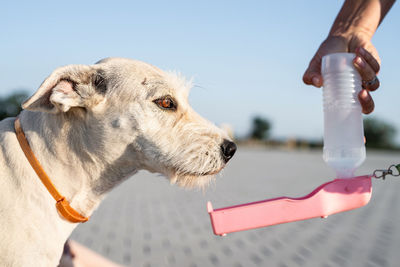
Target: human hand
367,63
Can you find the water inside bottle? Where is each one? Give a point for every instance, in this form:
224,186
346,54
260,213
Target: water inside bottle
344,149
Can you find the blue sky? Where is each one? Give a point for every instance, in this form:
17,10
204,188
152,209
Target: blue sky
246,57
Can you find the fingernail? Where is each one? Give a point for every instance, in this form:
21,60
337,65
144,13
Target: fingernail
359,62
364,94
315,81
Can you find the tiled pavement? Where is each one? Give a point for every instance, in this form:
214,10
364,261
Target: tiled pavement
147,222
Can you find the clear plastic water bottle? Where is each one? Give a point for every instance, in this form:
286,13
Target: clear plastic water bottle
344,148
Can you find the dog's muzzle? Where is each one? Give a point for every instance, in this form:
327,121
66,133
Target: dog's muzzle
228,149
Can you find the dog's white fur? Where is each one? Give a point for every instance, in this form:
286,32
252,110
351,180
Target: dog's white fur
91,127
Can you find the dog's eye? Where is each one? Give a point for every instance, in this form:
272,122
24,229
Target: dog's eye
166,103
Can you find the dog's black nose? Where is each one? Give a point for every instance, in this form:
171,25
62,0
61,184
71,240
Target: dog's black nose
228,149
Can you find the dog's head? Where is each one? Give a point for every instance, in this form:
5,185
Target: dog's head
135,116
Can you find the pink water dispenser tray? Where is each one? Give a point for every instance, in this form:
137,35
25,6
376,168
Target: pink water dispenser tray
330,198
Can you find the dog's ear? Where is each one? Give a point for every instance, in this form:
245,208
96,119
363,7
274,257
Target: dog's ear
68,87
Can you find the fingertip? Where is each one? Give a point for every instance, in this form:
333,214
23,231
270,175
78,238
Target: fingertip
312,75
316,81
366,101
368,110
307,78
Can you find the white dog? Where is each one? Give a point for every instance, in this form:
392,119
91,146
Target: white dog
92,127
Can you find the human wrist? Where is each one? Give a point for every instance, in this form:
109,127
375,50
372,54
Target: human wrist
357,18
361,33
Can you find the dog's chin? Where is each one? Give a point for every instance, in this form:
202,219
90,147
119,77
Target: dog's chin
193,180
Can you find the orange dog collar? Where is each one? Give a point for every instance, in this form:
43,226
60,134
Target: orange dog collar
62,204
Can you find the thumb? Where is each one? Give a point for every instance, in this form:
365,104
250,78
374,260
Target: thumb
312,75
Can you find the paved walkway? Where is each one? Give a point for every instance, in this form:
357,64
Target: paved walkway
146,222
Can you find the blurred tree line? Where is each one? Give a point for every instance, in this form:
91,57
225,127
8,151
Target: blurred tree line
10,106
378,133
260,129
